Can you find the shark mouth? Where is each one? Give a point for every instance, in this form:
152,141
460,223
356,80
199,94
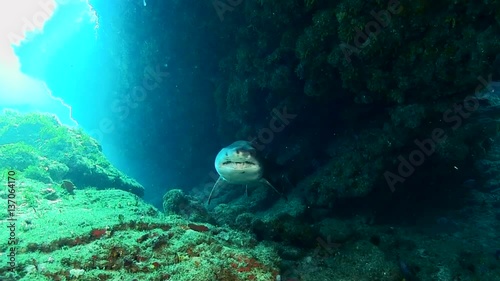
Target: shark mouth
238,165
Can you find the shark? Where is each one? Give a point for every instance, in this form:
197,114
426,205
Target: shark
239,164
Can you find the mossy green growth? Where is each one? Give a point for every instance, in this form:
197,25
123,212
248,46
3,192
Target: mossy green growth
38,173
39,147
18,156
113,235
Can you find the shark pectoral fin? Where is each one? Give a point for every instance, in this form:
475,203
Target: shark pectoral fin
217,183
263,180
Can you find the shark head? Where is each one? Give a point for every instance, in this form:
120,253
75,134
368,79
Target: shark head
238,163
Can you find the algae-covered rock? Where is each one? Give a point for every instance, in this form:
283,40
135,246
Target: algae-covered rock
37,146
175,202
114,235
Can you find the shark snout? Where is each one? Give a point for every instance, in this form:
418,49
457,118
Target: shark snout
245,153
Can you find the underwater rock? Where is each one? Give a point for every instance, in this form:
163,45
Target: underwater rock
57,170
175,202
245,221
335,229
113,235
42,149
226,214
49,194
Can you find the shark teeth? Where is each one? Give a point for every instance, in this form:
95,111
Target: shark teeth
238,163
